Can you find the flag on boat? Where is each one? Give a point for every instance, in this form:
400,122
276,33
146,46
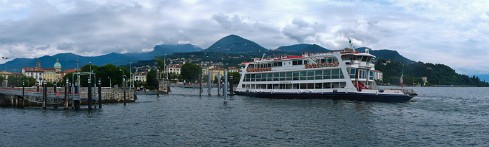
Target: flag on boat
400,80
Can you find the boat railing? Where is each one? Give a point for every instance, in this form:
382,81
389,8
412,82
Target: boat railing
258,69
319,65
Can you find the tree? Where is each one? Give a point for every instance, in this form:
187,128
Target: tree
191,72
236,77
16,81
151,80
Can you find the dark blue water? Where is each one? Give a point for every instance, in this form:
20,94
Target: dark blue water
437,117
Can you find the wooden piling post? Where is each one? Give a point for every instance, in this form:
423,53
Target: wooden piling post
218,83
231,86
66,94
89,93
99,93
124,96
56,93
23,94
209,82
225,88
44,95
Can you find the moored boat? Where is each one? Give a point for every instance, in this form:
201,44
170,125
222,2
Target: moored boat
343,74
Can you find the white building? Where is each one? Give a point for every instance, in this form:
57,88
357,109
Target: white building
175,68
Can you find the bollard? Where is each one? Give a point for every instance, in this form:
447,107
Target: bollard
99,93
89,93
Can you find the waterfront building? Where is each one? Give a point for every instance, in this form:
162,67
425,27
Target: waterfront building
140,76
44,74
175,68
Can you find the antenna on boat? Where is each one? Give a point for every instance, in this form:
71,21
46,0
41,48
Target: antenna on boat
351,44
263,56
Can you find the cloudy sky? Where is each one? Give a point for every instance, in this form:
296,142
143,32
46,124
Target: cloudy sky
455,33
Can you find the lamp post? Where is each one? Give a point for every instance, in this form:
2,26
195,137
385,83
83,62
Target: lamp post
110,82
122,84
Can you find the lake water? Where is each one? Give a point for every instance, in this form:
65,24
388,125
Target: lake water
448,116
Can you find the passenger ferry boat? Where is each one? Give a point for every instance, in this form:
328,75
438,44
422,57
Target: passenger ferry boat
343,74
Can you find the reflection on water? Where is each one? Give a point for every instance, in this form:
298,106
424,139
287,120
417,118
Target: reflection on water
438,116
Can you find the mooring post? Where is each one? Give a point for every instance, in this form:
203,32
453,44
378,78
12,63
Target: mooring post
124,96
200,85
218,84
56,95
23,94
209,82
44,95
225,88
89,93
231,86
100,93
157,83
66,94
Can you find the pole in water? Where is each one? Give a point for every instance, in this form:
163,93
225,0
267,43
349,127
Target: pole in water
157,83
99,93
124,96
56,94
225,88
218,84
66,94
44,95
200,85
231,86
23,94
209,82
89,93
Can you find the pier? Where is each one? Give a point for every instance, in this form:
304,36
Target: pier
54,97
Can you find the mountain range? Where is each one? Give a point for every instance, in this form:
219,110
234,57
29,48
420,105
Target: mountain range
231,44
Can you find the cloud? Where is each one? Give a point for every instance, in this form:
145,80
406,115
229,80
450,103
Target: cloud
428,31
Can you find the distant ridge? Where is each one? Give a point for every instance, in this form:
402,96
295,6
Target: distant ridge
299,48
387,54
234,44
69,60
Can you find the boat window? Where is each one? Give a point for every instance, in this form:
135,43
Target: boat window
303,86
342,84
310,85
326,85
318,86
295,75
352,73
319,74
289,76
371,75
295,86
327,74
288,86
335,73
303,75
